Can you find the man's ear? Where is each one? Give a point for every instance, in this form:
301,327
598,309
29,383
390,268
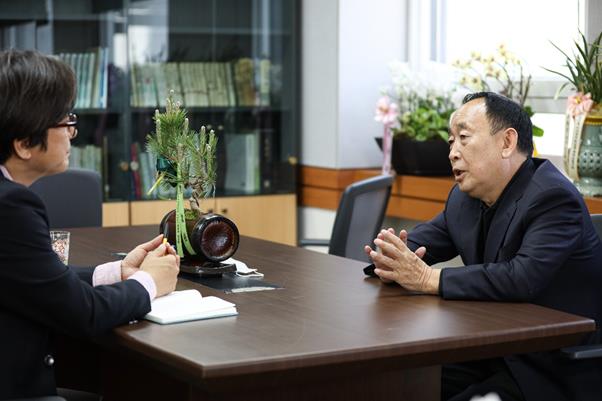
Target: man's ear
510,138
22,149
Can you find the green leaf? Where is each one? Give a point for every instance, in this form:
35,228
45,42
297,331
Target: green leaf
443,135
537,131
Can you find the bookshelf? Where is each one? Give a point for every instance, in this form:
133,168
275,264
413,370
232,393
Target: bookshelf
232,63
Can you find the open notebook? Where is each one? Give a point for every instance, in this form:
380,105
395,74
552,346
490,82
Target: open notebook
182,306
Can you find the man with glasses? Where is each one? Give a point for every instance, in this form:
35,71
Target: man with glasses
38,293
71,123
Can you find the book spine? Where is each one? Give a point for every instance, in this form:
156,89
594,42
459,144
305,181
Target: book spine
266,158
135,167
104,81
91,68
264,82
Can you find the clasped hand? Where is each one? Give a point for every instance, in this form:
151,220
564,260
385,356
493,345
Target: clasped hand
156,258
396,262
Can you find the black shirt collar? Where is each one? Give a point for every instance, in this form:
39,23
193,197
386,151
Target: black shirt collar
522,170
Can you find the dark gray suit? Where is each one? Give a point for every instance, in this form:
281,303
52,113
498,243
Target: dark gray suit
542,248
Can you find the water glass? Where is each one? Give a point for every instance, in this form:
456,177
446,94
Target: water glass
60,244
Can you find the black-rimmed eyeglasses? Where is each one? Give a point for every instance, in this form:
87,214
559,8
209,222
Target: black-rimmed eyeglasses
71,123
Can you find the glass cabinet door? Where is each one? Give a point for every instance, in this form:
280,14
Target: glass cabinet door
89,36
231,63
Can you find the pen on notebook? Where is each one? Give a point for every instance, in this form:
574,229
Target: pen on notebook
167,245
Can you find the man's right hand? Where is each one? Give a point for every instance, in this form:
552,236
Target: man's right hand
163,266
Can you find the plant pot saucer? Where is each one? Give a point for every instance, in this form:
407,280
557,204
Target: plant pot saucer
207,269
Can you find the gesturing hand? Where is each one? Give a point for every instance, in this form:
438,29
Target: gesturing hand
403,235
398,263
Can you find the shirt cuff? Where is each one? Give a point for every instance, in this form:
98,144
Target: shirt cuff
441,281
107,273
147,282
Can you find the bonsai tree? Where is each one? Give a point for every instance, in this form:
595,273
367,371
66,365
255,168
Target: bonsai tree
185,158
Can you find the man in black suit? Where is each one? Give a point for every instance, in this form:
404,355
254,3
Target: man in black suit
38,294
524,235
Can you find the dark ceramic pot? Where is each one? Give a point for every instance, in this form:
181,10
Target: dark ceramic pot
413,157
213,237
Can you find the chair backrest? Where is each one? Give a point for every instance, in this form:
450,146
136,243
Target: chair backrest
360,216
597,220
72,198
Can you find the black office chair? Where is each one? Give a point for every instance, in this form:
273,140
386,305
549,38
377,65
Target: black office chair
72,198
359,218
595,350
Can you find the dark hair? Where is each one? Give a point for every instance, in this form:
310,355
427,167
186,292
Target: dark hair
502,113
36,92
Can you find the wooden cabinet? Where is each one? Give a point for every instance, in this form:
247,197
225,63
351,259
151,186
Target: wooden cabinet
412,197
115,214
269,217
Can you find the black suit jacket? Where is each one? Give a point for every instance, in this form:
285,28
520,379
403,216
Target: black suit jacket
542,248
40,295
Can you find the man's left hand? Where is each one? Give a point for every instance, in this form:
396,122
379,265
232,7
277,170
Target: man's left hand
398,263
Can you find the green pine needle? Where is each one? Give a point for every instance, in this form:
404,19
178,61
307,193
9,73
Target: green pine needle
193,152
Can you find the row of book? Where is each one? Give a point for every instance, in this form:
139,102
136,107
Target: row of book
144,174
245,165
243,82
91,72
88,157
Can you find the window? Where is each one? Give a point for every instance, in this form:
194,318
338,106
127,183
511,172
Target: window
441,31
526,27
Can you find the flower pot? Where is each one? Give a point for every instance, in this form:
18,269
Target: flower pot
589,162
413,157
213,237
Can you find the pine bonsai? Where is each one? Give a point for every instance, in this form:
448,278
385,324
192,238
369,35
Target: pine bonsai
185,158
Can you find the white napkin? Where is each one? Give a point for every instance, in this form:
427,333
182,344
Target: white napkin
242,269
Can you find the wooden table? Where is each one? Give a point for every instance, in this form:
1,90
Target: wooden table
329,334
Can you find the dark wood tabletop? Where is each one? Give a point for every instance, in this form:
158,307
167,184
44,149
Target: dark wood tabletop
328,319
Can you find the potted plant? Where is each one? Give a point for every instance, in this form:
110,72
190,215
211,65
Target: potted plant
416,115
186,159
583,135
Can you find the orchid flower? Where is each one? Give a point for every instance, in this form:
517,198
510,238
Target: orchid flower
579,104
386,111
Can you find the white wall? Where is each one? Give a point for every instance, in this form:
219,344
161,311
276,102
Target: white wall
319,92
346,48
371,35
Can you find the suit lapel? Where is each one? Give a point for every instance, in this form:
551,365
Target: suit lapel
469,221
505,213
499,228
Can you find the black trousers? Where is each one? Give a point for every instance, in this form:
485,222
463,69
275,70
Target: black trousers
462,381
